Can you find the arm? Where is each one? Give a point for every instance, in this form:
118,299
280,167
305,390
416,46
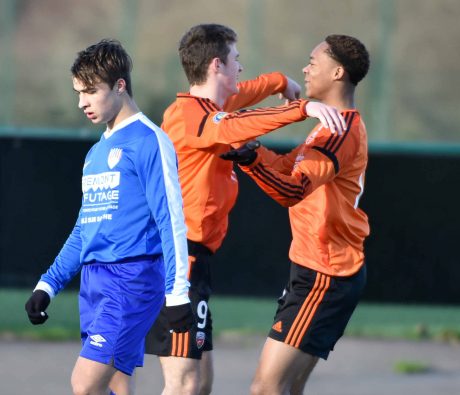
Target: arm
227,128
317,162
283,163
254,91
247,153
157,170
290,189
230,128
66,265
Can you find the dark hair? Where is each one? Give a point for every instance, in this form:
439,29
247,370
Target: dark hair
107,61
200,45
351,54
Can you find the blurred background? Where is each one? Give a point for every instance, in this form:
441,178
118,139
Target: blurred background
410,94
409,102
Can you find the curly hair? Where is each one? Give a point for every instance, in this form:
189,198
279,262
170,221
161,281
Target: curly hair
351,54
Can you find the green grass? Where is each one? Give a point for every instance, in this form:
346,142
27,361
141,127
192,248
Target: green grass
411,367
63,323
406,322
243,315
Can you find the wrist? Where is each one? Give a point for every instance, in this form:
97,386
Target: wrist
252,164
284,83
250,160
303,107
175,300
43,286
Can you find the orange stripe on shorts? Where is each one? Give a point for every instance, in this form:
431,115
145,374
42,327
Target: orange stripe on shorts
173,346
180,344
186,341
307,311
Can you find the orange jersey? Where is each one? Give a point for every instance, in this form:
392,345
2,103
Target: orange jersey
321,181
201,131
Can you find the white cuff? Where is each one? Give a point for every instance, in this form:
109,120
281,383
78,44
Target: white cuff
45,287
176,300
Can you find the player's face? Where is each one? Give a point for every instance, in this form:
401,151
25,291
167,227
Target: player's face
230,71
100,103
319,73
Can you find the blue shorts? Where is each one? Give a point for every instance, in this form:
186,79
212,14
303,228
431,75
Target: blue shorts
118,304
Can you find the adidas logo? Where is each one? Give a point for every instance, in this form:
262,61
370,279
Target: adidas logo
278,326
97,340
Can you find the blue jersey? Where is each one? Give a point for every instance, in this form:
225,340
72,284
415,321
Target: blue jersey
131,207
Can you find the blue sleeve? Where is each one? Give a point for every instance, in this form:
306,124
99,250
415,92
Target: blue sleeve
66,265
157,169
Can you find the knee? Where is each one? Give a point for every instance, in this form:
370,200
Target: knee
260,386
205,388
79,389
257,387
186,387
190,387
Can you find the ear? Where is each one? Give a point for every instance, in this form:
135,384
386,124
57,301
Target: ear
339,73
215,64
120,86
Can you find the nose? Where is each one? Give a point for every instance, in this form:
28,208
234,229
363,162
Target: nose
82,103
305,69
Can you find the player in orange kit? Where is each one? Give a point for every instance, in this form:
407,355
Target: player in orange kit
321,181
202,125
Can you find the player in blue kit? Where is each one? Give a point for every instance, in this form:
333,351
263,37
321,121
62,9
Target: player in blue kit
129,241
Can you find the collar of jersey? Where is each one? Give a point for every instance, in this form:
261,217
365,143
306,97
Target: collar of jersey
108,133
189,96
349,110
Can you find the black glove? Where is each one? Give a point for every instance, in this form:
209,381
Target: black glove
36,306
244,155
180,317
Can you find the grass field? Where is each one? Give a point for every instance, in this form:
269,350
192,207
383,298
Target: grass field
234,315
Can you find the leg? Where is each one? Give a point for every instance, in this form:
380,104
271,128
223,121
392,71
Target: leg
281,368
186,359
91,378
114,324
122,384
206,373
181,375
299,383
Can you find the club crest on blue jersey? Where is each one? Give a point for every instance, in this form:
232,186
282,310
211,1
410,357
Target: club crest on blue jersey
114,157
218,117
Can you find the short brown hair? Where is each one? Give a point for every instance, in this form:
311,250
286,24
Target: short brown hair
200,45
107,61
351,54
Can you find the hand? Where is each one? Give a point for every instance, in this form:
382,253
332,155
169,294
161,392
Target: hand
36,306
329,116
180,317
292,91
244,155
